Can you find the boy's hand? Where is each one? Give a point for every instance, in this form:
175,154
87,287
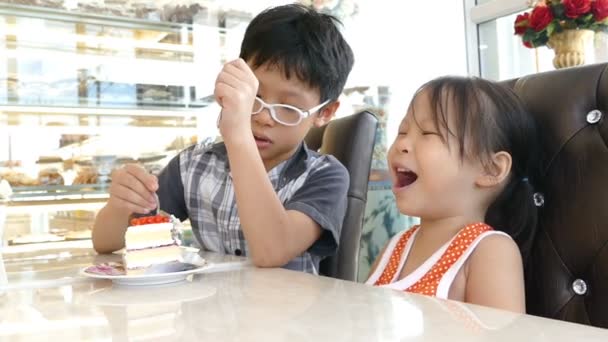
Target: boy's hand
235,90
133,190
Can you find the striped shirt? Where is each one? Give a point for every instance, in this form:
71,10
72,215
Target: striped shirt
197,185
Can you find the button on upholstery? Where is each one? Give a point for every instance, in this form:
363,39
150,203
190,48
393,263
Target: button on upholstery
539,199
594,116
579,287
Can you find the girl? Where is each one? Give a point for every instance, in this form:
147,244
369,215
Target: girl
463,162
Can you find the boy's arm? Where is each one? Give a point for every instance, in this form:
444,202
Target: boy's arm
130,185
274,235
109,229
494,275
131,191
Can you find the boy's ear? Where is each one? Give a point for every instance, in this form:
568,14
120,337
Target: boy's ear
498,172
326,114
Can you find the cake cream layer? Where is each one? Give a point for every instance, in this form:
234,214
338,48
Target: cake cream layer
149,235
146,257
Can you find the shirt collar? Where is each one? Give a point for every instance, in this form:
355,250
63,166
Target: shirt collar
290,168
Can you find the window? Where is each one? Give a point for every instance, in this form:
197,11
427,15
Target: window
495,53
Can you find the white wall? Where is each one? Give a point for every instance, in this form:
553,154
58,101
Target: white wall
403,44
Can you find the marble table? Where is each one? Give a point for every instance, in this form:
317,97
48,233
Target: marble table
43,298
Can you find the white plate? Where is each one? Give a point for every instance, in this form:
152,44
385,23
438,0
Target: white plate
145,279
162,274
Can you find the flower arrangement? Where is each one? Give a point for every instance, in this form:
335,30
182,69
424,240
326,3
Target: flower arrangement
550,17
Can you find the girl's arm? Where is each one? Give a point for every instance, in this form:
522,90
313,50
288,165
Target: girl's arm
495,275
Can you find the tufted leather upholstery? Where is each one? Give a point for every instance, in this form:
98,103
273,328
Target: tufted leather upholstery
572,238
351,141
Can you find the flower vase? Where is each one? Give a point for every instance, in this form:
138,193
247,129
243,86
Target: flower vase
570,47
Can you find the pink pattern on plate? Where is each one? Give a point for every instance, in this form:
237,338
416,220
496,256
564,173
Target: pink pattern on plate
107,268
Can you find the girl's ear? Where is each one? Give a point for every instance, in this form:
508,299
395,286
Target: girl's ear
498,172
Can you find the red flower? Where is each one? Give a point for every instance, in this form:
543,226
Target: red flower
600,9
528,45
521,23
576,8
541,17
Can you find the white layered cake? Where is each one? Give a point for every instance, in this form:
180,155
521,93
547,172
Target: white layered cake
148,244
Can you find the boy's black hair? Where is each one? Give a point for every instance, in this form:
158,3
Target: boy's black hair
302,42
488,118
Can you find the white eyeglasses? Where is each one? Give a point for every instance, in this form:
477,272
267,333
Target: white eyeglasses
284,114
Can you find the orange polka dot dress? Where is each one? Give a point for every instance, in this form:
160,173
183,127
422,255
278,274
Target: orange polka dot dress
435,276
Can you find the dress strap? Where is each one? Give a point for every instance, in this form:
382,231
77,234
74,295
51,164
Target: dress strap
392,267
428,284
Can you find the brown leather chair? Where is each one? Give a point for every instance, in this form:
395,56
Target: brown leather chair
351,141
567,272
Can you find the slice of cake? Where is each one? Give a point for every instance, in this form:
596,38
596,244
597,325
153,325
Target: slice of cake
150,241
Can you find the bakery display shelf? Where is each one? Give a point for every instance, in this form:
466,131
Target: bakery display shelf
111,95
83,130
58,192
36,207
184,111
94,61
92,18
151,97
157,47
159,106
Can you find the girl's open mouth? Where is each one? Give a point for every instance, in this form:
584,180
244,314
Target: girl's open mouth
404,177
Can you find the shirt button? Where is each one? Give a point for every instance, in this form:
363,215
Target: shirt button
238,252
579,287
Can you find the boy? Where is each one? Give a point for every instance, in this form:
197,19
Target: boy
261,192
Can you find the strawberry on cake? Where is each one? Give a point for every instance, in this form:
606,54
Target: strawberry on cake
150,241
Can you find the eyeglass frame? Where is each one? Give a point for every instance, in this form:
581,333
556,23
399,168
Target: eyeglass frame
303,113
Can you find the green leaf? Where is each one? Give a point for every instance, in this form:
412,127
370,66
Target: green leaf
529,35
540,39
558,11
585,21
551,28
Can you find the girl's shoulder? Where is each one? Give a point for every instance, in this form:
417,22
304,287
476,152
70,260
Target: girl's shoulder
493,250
494,274
495,244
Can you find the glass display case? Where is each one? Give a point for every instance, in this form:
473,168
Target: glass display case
85,91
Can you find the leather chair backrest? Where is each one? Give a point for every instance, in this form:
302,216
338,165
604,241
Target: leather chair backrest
351,140
567,272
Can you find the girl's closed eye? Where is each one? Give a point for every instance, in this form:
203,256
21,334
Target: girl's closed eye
428,130
403,129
